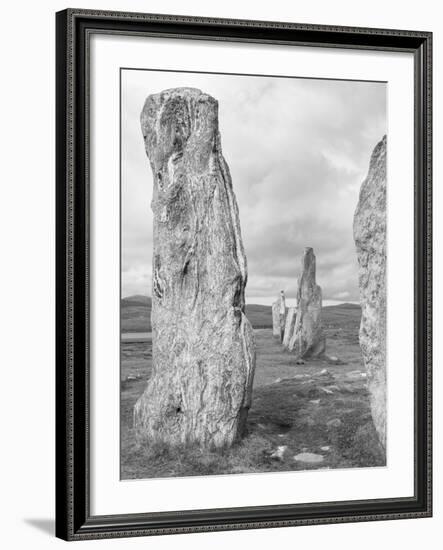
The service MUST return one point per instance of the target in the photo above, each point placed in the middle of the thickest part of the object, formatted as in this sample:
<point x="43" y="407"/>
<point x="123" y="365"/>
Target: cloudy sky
<point x="298" y="150"/>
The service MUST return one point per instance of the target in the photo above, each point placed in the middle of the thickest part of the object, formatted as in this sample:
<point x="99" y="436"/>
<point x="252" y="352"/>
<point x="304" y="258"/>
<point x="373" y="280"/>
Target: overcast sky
<point x="297" y="150"/>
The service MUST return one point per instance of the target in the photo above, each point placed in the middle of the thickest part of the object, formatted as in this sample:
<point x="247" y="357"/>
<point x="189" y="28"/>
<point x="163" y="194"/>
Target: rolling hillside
<point x="136" y="314"/>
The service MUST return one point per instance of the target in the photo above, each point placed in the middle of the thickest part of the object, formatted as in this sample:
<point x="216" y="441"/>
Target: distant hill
<point x="346" y="305"/>
<point x="259" y="316"/>
<point x="345" y="316"/>
<point x="136" y="313"/>
<point x="137" y="299"/>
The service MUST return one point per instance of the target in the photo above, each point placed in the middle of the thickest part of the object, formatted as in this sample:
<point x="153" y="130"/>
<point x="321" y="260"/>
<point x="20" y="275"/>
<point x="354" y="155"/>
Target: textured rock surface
<point x="370" y="240"/>
<point x="282" y="314"/>
<point x="279" y="316"/>
<point x="289" y="325"/>
<point x="276" y="318"/>
<point x="203" y="349"/>
<point x="307" y="339"/>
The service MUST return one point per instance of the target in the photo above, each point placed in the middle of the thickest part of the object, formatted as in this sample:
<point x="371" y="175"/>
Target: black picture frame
<point x="73" y="30"/>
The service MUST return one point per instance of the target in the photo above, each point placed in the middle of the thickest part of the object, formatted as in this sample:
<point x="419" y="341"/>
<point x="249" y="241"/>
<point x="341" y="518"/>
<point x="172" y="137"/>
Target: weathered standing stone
<point x="307" y="339"/>
<point x="370" y="240"/>
<point x="276" y="318"/>
<point x="279" y="316"/>
<point x="203" y="349"/>
<point x="282" y="314"/>
<point x="289" y="325"/>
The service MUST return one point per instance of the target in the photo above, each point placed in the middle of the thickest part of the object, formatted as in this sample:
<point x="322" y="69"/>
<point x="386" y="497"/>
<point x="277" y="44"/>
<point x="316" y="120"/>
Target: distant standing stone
<point x="279" y="316"/>
<point x="289" y="325"/>
<point x="307" y="339"/>
<point x="370" y="241"/>
<point x="276" y="319"/>
<point x="203" y="349"/>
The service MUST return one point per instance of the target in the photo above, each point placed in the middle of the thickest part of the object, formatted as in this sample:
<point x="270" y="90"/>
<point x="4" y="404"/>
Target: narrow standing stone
<point x="370" y="240"/>
<point x="307" y="339"/>
<point x="289" y="326"/>
<point x="203" y="349"/>
<point x="279" y="316"/>
<point x="276" y="318"/>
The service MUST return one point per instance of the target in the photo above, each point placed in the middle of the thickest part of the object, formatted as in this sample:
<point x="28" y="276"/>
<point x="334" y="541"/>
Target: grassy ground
<point x="319" y="407"/>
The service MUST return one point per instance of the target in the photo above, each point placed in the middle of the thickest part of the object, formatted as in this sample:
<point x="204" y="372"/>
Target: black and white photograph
<point x="219" y="230"/>
<point x="253" y="274"/>
<point x="243" y="274"/>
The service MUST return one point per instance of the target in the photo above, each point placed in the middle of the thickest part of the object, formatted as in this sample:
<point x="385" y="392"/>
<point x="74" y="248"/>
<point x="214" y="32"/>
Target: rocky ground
<point x="308" y="415"/>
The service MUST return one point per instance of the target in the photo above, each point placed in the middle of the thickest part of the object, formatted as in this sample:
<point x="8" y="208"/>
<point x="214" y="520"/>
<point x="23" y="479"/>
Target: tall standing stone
<point x="279" y="316"/>
<point x="203" y="349"/>
<point x="370" y="240"/>
<point x="308" y="339"/>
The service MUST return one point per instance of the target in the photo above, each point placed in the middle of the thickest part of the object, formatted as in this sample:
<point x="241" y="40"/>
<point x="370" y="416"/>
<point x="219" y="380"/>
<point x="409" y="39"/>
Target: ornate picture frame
<point x="74" y="517"/>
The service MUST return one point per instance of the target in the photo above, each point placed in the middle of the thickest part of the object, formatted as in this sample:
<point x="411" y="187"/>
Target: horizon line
<point x="267" y="300"/>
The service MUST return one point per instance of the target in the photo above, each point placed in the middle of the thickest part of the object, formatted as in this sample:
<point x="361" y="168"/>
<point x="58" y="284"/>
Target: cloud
<point x="298" y="150"/>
